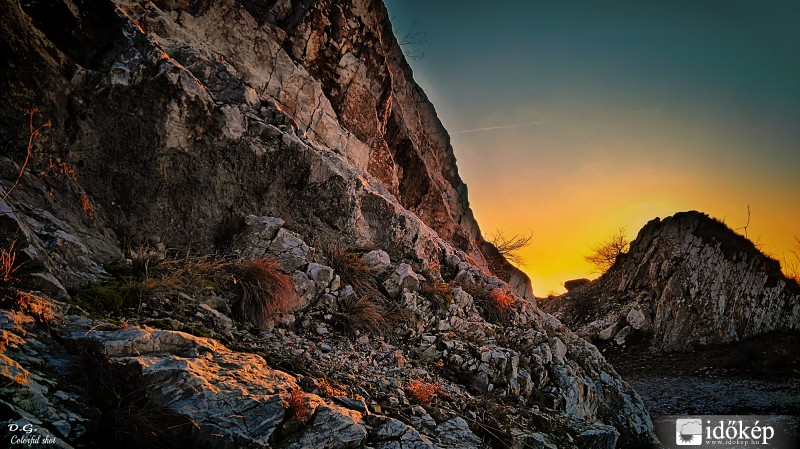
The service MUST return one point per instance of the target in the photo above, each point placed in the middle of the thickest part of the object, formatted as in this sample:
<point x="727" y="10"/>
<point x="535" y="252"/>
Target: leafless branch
<point x="746" y="224"/>
<point x="33" y="133"/>
<point x="411" y="39"/>
<point x="604" y="255"/>
<point x="509" y="246"/>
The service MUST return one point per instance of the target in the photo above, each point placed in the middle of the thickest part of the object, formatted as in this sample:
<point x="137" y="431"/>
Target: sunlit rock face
<point x="687" y="280"/>
<point x="303" y="110"/>
<point x="258" y="129"/>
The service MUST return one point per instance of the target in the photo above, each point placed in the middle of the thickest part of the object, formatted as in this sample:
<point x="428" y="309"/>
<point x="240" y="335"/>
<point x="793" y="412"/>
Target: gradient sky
<point x="573" y="119"/>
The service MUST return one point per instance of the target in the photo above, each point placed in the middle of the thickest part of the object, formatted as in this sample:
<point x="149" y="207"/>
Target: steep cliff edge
<point x="687" y="280"/>
<point x="194" y="138"/>
<point x="212" y="82"/>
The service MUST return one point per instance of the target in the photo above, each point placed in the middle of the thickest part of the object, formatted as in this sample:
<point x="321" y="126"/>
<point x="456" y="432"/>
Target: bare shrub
<point x="604" y="255"/>
<point x="509" y="246"/>
<point x="791" y="262"/>
<point x="33" y="133"/>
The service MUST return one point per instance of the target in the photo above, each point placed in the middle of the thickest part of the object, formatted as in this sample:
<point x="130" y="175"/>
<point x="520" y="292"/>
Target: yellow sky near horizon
<point x="570" y="212"/>
<point x="572" y="120"/>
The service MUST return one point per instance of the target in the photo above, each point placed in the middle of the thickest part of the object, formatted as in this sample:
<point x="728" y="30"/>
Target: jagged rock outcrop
<point x="687" y="280"/>
<point x="269" y="130"/>
<point x="532" y="361"/>
<point x="303" y="110"/>
<point x="208" y="395"/>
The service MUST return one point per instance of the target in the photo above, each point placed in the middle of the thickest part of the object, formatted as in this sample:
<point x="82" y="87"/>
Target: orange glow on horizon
<point x="585" y="207"/>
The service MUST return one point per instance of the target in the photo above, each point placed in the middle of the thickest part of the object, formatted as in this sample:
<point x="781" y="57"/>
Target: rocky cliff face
<point x="238" y="132"/>
<point x="304" y="110"/>
<point x="687" y="280"/>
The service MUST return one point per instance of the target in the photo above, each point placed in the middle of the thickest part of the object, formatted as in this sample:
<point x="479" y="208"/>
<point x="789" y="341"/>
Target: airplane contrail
<point x="493" y="128"/>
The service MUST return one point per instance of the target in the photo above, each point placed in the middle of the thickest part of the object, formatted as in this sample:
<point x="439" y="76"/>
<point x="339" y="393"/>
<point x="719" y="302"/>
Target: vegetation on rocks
<point x="257" y="290"/>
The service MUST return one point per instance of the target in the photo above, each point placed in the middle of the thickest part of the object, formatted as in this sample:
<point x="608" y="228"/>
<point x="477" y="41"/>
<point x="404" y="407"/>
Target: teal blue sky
<point x="621" y="110"/>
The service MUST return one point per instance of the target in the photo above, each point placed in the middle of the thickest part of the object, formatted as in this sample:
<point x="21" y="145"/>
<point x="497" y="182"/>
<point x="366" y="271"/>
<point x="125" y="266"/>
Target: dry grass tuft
<point x="129" y="419"/>
<point x="438" y="292"/>
<point x="297" y="408"/>
<point x="350" y="267"/>
<point x="502" y="301"/>
<point x="264" y="291"/>
<point x="359" y="313"/>
<point x="368" y="310"/>
<point x="495" y="304"/>
<point x="8" y="266"/>
<point x="39" y="308"/>
<point x="142" y="424"/>
<point x="423" y="392"/>
<point x="259" y="291"/>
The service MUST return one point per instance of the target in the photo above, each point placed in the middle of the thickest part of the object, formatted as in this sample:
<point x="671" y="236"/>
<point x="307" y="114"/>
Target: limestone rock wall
<point x="177" y="125"/>
<point x="689" y="280"/>
<point x="708" y="285"/>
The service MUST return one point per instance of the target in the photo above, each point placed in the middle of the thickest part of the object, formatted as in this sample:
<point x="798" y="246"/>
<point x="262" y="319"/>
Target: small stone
<point x="622" y="335"/>
<point x="637" y="319"/>
<point x="607" y="333"/>
<point x="377" y="260"/>
<point x="559" y="349"/>
<point x="352" y="404"/>
<point x="428" y="421"/>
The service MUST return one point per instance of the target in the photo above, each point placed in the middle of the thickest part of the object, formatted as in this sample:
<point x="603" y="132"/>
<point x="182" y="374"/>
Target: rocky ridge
<point x="172" y="133"/>
<point x="544" y="385"/>
<point x="687" y="280"/>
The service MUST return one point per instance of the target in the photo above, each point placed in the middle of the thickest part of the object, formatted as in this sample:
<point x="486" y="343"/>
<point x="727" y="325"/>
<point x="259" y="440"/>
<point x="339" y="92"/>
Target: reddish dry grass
<point x="495" y="304"/>
<point x="297" y="408"/>
<point x="265" y="291"/>
<point x="87" y="207"/>
<point x="423" y="392"/>
<point x="502" y="300"/>
<point x="8" y="265"/>
<point x="39" y="308"/>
